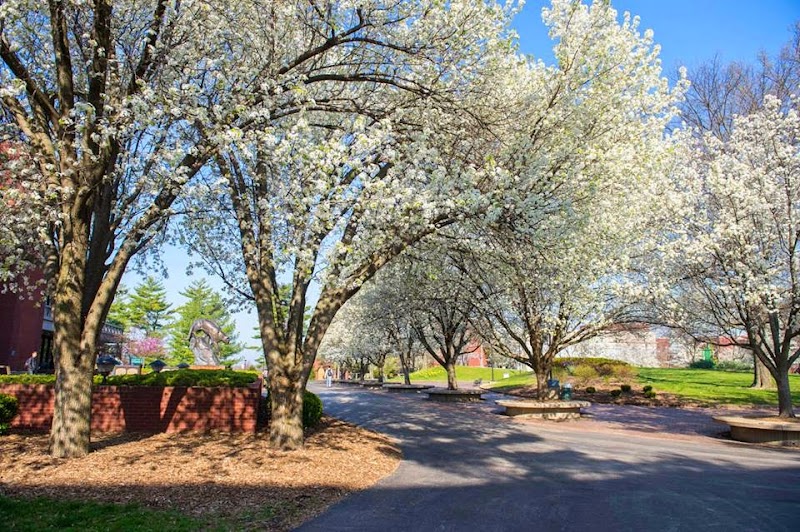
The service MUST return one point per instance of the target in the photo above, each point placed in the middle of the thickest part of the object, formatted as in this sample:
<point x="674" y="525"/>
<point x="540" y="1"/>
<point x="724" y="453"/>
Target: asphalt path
<point x="466" y="467"/>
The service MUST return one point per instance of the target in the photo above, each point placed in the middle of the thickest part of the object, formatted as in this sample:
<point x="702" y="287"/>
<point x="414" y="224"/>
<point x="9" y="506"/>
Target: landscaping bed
<point x="219" y="481"/>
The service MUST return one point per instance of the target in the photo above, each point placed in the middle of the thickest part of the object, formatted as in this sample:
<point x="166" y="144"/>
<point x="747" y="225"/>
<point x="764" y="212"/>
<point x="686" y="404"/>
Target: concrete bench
<point x="774" y="431"/>
<point x="371" y="384"/>
<point x="406" y="388"/>
<point x="553" y="410"/>
<point x="444" y="395"/>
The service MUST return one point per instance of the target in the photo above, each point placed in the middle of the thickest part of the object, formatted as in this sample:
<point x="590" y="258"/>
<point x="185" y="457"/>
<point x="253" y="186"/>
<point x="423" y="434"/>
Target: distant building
<point x="475" y="356"/>
<point x="26" y="325"/>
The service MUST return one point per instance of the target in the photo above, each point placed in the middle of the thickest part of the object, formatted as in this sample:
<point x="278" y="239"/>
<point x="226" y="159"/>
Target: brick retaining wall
<point x="147" y="408"/>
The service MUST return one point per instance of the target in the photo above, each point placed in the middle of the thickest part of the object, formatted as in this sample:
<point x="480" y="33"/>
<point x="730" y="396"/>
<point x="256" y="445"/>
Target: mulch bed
<point x="209" y="476"/>
<point x="603" y="395"/>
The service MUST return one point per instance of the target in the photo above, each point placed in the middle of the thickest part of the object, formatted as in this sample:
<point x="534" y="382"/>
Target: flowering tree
<point x="380" y="150"/>
<point x="20" y="222"/>
<point x="376" y="157"/>
<point x="720" y="92"/>
<point x="149" y="347"/>
<point x="731" y="256"/>
<point x="539" y="298"/>
<point x="119" y="105"/>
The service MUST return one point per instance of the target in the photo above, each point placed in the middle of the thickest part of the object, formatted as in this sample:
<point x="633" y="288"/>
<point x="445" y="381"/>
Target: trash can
<point x="566" y="392"/>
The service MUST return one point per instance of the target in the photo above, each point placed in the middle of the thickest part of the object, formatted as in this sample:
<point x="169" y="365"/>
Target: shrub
<point x="312" y="409"/>
<point x="188" y="377"/>
<point x="584" y="372"/>
<point x="616" y="393"/>
<point x="625" y="388"/>
<point x="624" y="373"/>
<point x="26" y="378"/>
<point x="602" y="367"/>
<point x="183" y="377"/>
<point x="702" y="364"/>
<point x="9" y="408"/>
<point x="650" y="394"/>
<point x="732" y="365"/>
<point x="590" y="389"/>
<point x="647" y="388"/>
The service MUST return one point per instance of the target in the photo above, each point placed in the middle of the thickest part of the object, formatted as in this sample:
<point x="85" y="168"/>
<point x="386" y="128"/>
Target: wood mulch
<point x="603" y="395"/>
<point x="231" y="477"/>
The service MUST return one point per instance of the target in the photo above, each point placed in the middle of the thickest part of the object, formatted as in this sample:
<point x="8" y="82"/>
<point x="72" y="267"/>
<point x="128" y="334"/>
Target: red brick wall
<point x="147" y="408"/>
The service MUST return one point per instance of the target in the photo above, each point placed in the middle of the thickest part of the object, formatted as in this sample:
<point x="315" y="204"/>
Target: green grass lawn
<point x="728" y="387"/>
<point x="45" y="514"/>
<point x="463" y="373"/>
<point x="35" y="515"/>
<point x="698" y="385"/>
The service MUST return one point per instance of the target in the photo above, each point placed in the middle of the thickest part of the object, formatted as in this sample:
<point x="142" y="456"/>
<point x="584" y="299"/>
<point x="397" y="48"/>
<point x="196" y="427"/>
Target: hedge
<point x="210" y="378"/>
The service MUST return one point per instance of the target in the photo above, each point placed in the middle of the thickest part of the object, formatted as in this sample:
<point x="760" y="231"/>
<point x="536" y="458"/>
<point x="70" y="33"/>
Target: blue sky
<point x="689" y="32"/>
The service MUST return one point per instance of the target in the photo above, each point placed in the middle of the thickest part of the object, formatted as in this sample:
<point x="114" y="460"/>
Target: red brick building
<point x="26" y="325"/>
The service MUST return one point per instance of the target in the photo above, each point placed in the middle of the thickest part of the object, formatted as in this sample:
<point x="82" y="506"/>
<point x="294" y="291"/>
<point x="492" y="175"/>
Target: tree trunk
<point x="452" y="383"/>
<point x="70" y="433"/>
<point x="286" y="408"/>
<point x="541" y="386"/>
<point x="785" y="408"/>
<point x="762" y="379"/>
<point x="406" y="372"/>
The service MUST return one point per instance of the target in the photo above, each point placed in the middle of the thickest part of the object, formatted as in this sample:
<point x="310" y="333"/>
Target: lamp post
<point x="105" y="365"/>
<point x="157" y="365"/>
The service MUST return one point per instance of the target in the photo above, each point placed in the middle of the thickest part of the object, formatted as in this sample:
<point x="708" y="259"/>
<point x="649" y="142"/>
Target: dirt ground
<point x="217" y="476"/>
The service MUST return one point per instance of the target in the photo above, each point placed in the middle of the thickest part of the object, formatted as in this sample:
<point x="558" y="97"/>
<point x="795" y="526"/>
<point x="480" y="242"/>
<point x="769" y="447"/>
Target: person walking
<point x="32" y="364"/>
<point x="329" y="377"/>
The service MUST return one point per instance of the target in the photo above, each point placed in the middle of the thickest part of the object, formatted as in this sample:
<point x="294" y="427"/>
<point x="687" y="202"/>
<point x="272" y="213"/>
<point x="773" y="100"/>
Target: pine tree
<point x="148" y="308"/>
<point x="120" y="312"/>
<point x="202" y="302"/>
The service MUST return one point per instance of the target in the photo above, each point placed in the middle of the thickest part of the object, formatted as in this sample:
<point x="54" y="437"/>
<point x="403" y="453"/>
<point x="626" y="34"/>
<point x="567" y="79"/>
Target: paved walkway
<point x="467" y="468"/>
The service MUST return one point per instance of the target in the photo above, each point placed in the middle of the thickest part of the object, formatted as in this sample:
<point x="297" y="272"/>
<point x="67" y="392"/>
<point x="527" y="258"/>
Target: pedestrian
<point x="32" y="364"/>
<point x="329" y="377"/>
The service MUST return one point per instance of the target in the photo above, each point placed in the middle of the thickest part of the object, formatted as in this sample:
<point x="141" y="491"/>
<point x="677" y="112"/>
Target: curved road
<point x="467" y="468"/>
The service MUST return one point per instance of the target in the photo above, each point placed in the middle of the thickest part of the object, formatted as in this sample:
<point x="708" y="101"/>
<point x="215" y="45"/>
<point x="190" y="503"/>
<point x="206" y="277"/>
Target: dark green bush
<point x="625" y="388"/>
<point x="616" y="393"/>
<point x="26" y="378"/>
<point x="312" y="410"/>
<point x="212" y="378"/>
<point x="732" y="365"/>
<point x="647" y="388"/>
<point x="650" y="394"/>
<point x="702" y="364"/>
<point x="9" y="408"/>
<point x="591" y="389"/>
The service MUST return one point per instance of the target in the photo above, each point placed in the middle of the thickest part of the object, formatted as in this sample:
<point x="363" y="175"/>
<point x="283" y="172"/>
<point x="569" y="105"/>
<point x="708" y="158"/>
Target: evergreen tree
<point x="148" y="308"/>
<point x="202" y="302"/>
<point x="120" y="312"/>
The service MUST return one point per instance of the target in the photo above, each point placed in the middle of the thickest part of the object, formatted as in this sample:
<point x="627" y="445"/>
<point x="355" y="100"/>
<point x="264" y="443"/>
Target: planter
<point x="773" y="431"/>
<point x="552" y="410"/>
<point x="444" y="395"/>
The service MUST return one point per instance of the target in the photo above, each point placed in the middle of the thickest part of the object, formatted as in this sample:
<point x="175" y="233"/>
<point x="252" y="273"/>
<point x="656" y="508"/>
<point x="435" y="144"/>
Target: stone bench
<point x="371" y="384"/>
<point x="774" y="431"/>
<point x="443" y="395"/>
<point x="347" y="382"/>
<point x="553" y="410"/>
<point x="406" y="388"/>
